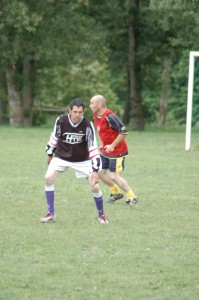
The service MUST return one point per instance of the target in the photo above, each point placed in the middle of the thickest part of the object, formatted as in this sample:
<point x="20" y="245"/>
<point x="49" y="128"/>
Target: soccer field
<point x="149" y="251"/>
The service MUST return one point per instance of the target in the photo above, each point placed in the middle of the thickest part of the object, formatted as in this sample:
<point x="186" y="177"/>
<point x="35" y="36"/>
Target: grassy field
<point x="150" y="251"/>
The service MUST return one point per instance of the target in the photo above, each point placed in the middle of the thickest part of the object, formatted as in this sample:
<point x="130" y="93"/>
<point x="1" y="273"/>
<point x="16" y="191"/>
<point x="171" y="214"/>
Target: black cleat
<point x="115" y="197"/>
<point x="132" y="201"/>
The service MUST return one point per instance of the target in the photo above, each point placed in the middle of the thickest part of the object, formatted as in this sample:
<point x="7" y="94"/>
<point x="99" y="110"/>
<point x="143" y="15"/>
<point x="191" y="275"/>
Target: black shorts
<point x="113" y="164"/>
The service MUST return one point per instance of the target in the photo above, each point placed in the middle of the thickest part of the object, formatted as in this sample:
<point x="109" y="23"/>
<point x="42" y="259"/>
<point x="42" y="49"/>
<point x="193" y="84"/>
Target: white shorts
<point x="82" y="169"/>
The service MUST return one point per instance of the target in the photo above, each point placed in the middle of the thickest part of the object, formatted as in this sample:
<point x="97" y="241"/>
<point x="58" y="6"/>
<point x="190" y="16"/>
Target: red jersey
<point x="109" y="126"/>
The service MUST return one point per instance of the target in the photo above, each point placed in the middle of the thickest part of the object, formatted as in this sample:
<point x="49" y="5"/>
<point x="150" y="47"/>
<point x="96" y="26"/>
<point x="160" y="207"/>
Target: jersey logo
<point x="73" y="138"/>
<point x="98" y="128"/>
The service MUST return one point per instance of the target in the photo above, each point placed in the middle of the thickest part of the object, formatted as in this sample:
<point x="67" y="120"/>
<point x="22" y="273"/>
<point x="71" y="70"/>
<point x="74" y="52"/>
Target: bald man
<point x="113" y="151"/>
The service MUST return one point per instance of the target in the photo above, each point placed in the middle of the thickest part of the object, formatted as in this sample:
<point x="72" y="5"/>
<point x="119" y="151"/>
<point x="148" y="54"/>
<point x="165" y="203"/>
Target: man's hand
<point x="94" y="178"/>
<point x="109" y="148"/>
<point x="117" y="141"/>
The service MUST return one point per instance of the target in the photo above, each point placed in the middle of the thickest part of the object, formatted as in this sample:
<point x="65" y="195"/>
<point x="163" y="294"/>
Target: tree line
<point x="134" y="52"/>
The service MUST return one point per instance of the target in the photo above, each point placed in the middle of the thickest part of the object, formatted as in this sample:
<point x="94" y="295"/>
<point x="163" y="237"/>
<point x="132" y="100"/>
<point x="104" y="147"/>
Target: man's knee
<point x="95" y="188"/>
<point x="48" y="180"/>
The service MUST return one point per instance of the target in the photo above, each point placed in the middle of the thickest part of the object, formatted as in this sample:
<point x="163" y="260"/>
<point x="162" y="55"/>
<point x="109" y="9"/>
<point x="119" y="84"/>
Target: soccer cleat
<point x="103" y="219"/>
<point x="48" y="218"/>
<point x="132" y="201"/>
<point x="114" y="197"/>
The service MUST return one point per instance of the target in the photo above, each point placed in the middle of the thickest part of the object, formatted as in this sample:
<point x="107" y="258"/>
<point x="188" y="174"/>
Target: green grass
<point x="149" y="251"/>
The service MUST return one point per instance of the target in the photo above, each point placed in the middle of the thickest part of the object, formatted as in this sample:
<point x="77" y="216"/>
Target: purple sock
<point x="50" y="201"/>
<point x="99" y="205"/>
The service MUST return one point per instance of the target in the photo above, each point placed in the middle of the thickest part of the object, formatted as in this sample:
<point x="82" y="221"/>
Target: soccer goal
<point x="192" y="56"/>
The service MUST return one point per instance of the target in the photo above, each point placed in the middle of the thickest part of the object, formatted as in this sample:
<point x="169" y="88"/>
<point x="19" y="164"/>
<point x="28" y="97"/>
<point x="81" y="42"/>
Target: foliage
<point x="80" y="48"/>
<point x="170" y="17"/>
<point x="179" y="88"/>
<point x="112" y="17"/>
<point x="195" y="115"/>
<point x="145" y="252"/>
<point x="18" y="24"/>
<point x="46" y="31"/>
<point x="78" y="81"/>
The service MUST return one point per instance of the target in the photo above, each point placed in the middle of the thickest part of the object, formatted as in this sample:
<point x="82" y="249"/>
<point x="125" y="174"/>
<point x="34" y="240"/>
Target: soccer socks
<point x="130" y="194"/>
<point x="99" y="203"/>
<point x="50" y="198"/>
<point x="114" y="189"/>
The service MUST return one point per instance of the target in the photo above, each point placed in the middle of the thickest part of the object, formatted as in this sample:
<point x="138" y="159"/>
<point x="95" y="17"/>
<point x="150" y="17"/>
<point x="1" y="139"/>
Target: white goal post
<point x="192" y="56"/>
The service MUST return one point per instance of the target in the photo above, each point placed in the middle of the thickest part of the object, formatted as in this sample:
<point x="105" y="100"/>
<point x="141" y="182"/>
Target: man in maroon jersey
<point x="72" y="145"/>
<point x="112" y="133"/>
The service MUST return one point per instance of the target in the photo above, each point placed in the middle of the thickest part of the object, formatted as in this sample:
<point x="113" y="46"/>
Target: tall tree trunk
<point x="14" y="98"/>
<point x="3" y="98"/>
<point x="28" y="90"/>
<point x="137" y="115"/>
<point x="127" y="111"/>
<point x="166" y="74"/>
<point x="126" y="115"/>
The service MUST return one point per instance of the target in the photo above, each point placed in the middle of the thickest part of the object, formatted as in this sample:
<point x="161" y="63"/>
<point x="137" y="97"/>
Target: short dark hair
<point x="77" y="102"/>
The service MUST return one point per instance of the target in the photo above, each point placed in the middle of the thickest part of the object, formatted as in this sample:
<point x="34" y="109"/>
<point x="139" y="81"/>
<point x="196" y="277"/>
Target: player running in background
<point x="73" y="145"/>
<point x="112" y="133"/>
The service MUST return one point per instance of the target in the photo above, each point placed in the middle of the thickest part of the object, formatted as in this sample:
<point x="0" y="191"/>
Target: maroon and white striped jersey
<point x="74" y="142"/>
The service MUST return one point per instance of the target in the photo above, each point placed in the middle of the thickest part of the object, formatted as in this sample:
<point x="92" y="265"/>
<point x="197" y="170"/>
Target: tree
<point x="178" y="22"/>
<point x="137" y="115"/>
<point x="119" y="20"/>
<point x="166" y="75"/>
<point x="18" y="24"/>
<point x="3" y="97"/>
<point x="41" y="35"/>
